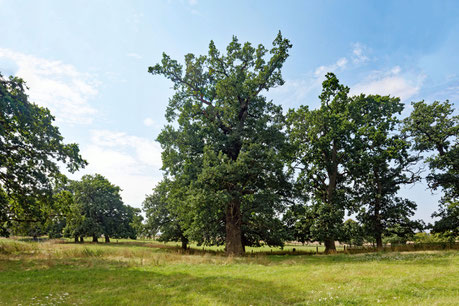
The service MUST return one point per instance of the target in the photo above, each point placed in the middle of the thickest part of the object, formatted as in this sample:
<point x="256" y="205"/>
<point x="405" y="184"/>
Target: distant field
<point x="264" y="249"/>
<point x="148" y="273"/>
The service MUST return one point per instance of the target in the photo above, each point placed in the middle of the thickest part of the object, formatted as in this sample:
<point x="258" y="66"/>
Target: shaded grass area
<point x="144" y="274"/>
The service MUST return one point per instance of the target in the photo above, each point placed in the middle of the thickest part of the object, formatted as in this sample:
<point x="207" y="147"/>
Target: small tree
<point x="133" y="222"/>
<point x="448" y="224"/>
<point x="402" y="232"/>
<point x="98" y="209"/>
<point x="299" y="221"/>
<point x="161" y="215"/>
<point x="353" y="233"/>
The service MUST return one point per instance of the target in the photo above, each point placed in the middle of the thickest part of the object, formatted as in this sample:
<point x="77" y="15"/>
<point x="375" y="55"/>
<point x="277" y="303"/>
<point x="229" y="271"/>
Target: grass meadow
<point x="147" y="273"/>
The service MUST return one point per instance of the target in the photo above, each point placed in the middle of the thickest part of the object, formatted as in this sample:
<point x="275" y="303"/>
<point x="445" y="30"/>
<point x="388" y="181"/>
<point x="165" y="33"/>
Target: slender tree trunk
<point x="107" y="238"/>
<point x="329" y="242"/>
<point x="81" y="239"/>
<point x="330" y="247"/>
<point x="378" y="225"/>
<point x="94" y="238"/>
<point x="184" y="242"/>
<point x="233" y="229"/>
<point x="76" y="239"/>
<point x="378" y="238"/>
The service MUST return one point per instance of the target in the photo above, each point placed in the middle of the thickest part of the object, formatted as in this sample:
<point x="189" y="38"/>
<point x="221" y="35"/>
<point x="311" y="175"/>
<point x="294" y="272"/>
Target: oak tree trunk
<point x="330" y="246"/>
<point x="76" y="239"/>
<point x="233" y="229"/>
<point x="107" y="239"/>
<point x="184" y="242"/>
<point x="377" y="221"/>
<point x="378" y="226"/>
<point x="81" y="239"/>
<point x="95" y="238"/>
<point x="379" y="241"/>
<point x="233" y="208"/>
<point x="333" y="178"/>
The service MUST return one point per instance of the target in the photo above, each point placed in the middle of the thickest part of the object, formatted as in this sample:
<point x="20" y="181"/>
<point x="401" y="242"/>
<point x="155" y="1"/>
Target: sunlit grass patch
<point x="140" y="273"/>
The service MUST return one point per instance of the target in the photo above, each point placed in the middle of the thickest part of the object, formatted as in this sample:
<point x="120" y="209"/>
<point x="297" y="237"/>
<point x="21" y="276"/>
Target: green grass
<point x="143" y="273"/>
<point x="311" y="248"/>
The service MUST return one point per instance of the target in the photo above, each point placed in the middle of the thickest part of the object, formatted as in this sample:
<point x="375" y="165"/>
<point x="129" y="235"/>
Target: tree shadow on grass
<point x="106" y="282"/>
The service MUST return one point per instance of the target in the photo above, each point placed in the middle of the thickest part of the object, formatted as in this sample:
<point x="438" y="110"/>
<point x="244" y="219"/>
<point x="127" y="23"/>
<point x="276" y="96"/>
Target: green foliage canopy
<point x="98" y="210"/>
<point x="383" y="164"/>
<point x="324" y="145"/>
<point x="226" y="146"/>
<point x="30" y="149"/>
<point x="435" y="130"/>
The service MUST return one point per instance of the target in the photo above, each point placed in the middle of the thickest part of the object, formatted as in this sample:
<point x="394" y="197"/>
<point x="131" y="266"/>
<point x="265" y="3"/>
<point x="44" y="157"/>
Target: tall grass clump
<point x="8" y="247"/>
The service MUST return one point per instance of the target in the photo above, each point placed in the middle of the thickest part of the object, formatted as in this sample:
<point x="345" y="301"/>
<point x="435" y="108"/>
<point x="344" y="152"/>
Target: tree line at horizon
<point x="238" y="171"/>
<point x="35" y="197"/>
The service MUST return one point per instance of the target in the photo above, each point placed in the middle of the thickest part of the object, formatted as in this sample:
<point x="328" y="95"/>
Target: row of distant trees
<point x="238" y="171"/>
<point x="91" y="207"/>
<point x="35" y="198"/>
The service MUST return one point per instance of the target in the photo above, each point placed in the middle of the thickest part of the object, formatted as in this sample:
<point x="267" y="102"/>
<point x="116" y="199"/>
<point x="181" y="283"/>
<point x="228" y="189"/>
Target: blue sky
<point x="87" y="61"/>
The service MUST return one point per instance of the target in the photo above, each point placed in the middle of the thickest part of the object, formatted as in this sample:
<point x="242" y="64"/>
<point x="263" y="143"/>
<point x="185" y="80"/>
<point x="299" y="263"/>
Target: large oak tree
<point x="227" y="139"/>
<point x="383" y="164"/>
<point x="323" y="149"/>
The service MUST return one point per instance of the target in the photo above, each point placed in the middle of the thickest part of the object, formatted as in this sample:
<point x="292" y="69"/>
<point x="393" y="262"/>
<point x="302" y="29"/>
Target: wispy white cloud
<point x="134" y="55"/>
<point x="146" y="151"/>
<point x="295" y="91"/>
<point x="451" y="92"/>
<point x="339" y="65"/>
<point x="391" y="82"/>
<point x="148" y="122"/>
<point x="57" y="86"/>
<point x="385" y="82"/>
<point x="190" y="5"/>
<point x="131" y="162"/>
<point x="134" y="20"/>
<point x="358" y="53"/>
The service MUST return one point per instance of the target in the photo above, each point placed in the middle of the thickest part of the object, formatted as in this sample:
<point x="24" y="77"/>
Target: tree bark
<point x="233" y="229"/>
<point x="378" y="225"/>
<point x="379" y="245"/>
<point x="81" y="239"/>
<point x="94" y="238"/>
<point x="184" y="242"/>
<point x="332" y="177"/>
<point x="107" y="238"/>
<point x="233" y="208"/>
<point x="76" y="239"/>
<point x="330" y="246"/>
